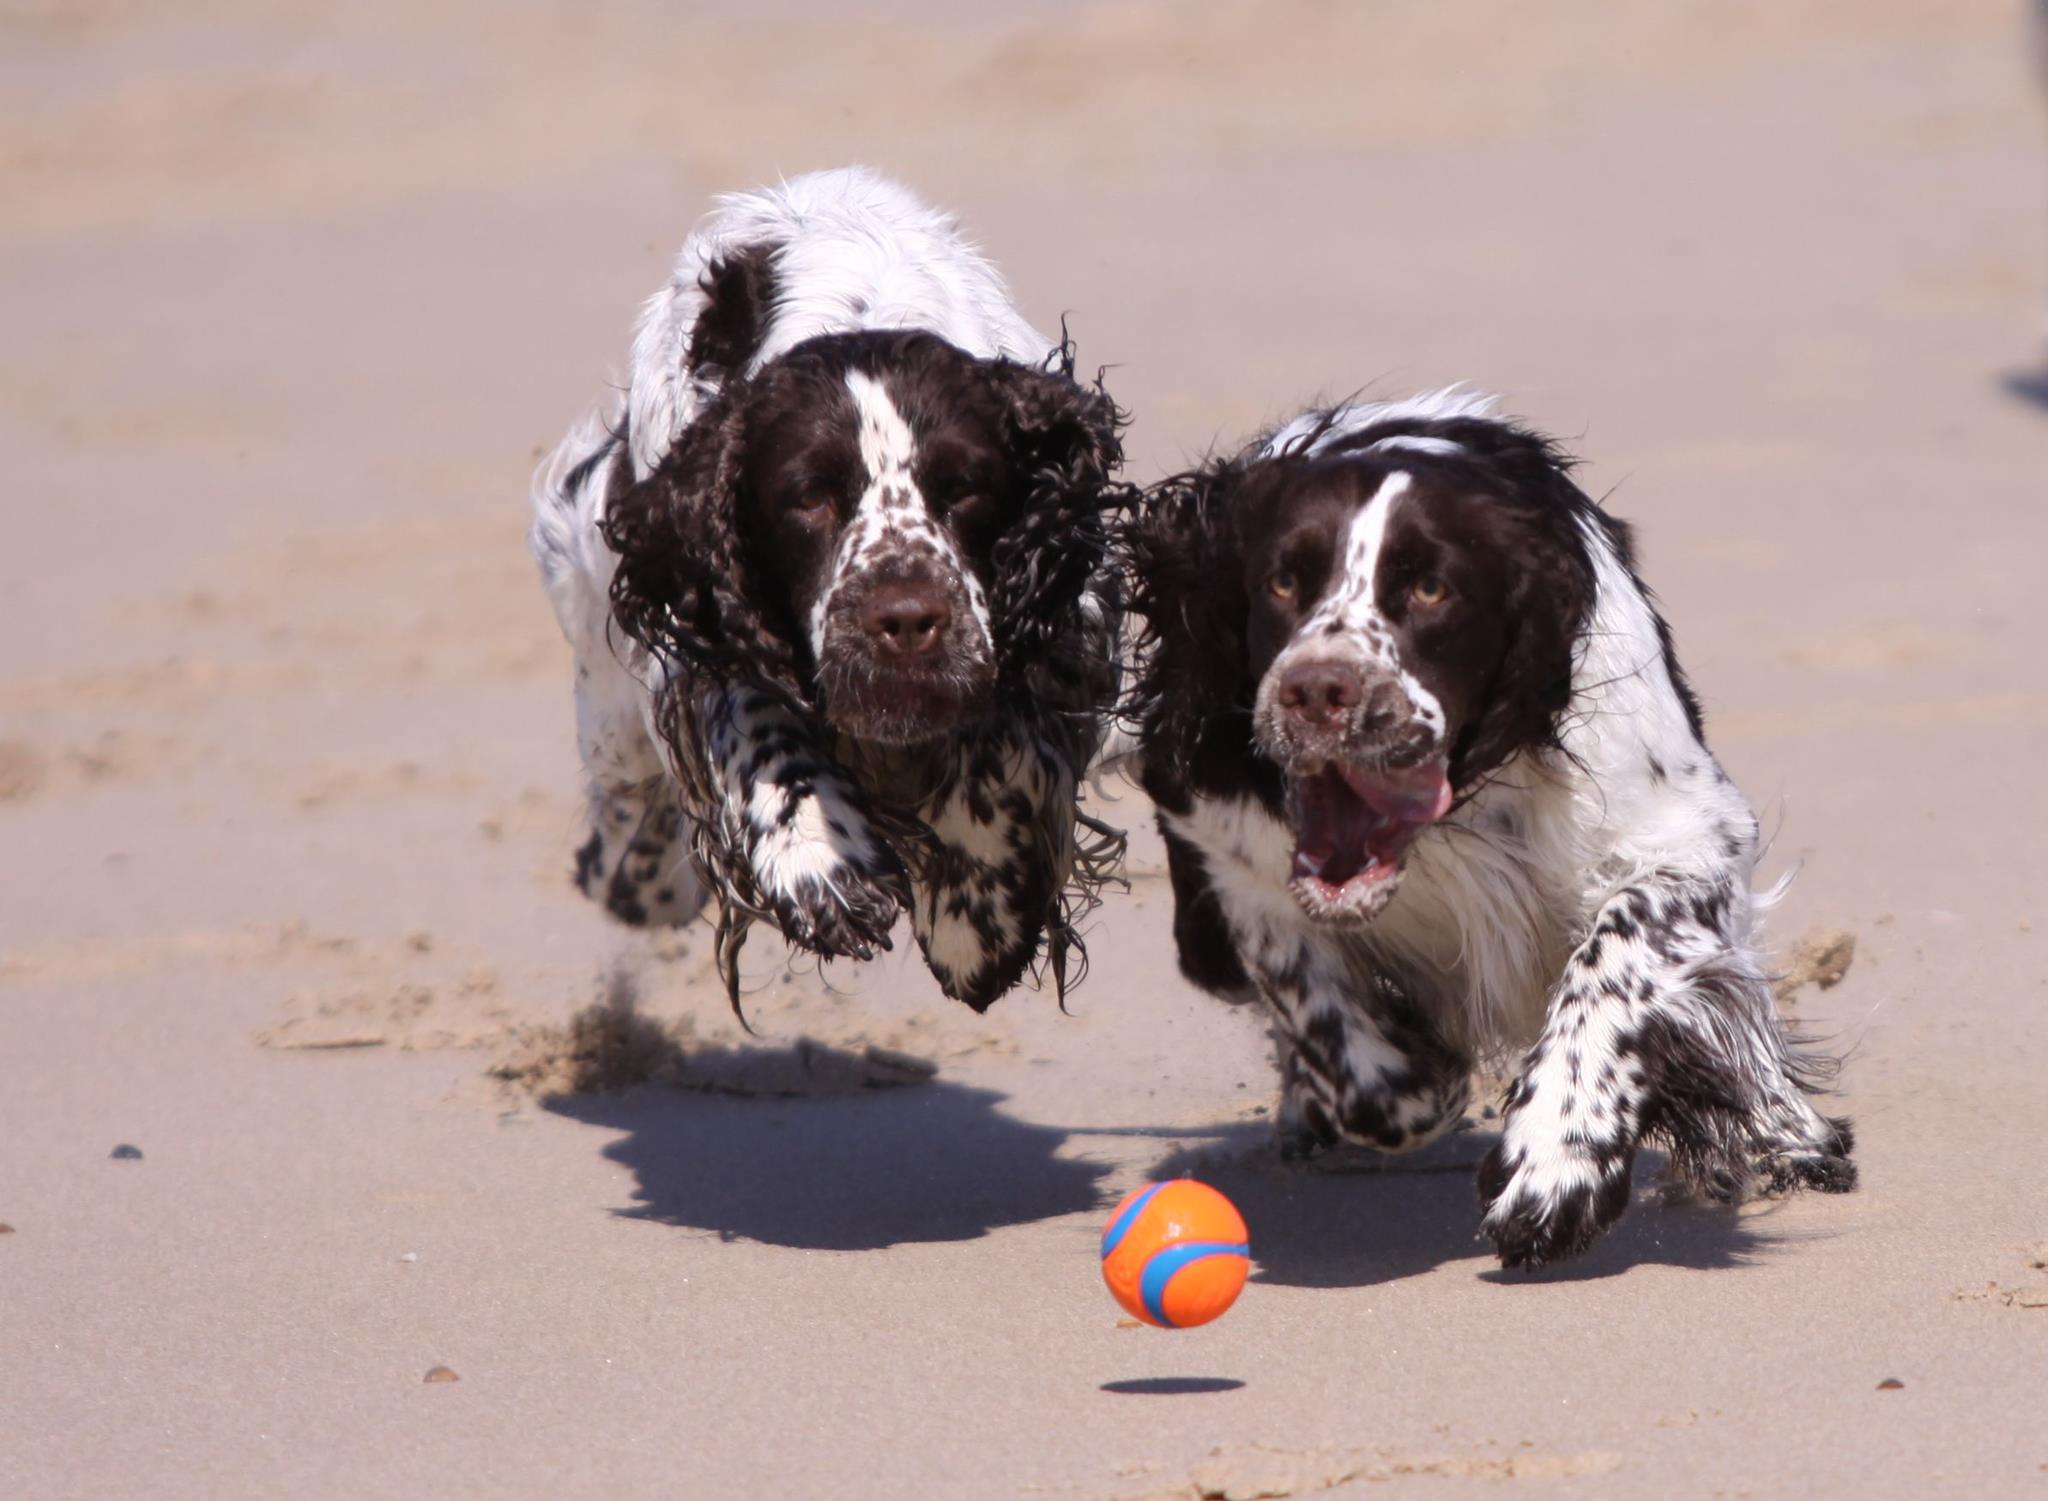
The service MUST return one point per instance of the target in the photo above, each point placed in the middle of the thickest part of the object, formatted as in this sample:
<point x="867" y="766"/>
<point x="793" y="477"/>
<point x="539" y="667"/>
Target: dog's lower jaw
<point x="1354" y="825"/>
<point x="1354" y="905"/>
<point x="894" y="732"/>
<point x="900" y="716"/>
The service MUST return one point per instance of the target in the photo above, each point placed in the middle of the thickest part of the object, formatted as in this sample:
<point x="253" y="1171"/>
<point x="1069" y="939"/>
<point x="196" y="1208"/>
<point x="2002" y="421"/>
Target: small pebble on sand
<point x="6" y="1229"/>
<point x="1891" y="1384"/>
<point x="439" y="1374"/>
<point x="126" y="1153"/>
<point x="410" y="1256"/>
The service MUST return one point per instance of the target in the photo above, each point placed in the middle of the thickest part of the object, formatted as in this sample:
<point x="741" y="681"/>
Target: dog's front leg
<point x="1001" y="848"/>
<point x="1357" y="1060"/>
<point x="635" y="863"/>
<point x="796" y="824"/>
<point x="1662" y="1024"/>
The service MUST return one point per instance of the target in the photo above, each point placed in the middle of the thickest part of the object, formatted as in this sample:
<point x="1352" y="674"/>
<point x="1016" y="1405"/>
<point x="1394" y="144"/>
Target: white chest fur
<point x="1486" y="913"/>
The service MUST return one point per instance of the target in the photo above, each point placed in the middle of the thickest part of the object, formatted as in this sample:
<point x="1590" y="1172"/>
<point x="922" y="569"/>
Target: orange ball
<point x="1176" y="1254"/>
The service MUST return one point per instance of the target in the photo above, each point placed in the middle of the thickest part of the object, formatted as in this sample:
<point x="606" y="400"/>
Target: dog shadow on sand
<point x="826" y="1148"/>
<point x="804" y="1144"/>
<point x="1353" y="1218"/>
<point x="875" y="1167"/>
<point x="844" y="1172"/>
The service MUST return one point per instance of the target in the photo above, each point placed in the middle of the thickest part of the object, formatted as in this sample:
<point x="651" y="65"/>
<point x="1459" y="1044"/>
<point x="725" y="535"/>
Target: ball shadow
<point x="1355" y="1218"/>
<point x="857" y="1172"/>
<point x="1172" y="1386"/>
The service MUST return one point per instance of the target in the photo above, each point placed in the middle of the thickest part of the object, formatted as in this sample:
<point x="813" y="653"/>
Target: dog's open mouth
<point x="1352" y="826"/>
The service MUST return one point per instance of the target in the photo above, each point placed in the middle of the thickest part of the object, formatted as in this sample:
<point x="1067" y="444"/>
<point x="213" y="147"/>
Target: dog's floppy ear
<point x="739" y="303"/>
<point x="1193" y="697"/>
<point x="1053" y="646"/>
<point x="1538" y="527"/>
<point x="1058" y="424"/>
<point x="692" y="341"/>
<point x="683" y="587"/>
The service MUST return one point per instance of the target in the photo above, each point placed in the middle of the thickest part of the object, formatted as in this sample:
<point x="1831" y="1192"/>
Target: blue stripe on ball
<point x="1160" y="1269"/>
<point x="1120" y="1226"/>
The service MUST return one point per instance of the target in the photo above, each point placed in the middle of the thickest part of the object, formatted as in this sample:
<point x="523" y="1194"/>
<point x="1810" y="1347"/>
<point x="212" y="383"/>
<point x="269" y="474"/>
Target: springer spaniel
<point x="837" y="571"/>
<point x="1432" y="783"/>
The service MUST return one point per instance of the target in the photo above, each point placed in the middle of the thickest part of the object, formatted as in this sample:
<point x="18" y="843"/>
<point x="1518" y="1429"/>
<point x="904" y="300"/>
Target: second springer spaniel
<point x="837" y="572"/>
<point x="1432" y="783"/>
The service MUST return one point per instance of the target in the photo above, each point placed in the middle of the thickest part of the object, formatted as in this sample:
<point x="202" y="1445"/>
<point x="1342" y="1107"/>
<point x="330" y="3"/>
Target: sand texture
<point x="449" y="1188"/>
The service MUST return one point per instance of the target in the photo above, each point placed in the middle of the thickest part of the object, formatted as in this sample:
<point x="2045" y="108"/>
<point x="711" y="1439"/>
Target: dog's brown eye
<point x="1282" y="585"/>
<point x="814" y="504"/>
<point x="1430" y="590"/>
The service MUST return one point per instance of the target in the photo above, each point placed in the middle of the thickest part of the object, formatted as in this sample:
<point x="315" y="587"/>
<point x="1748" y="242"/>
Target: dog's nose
<point x="1321" y="693"/>
<point x="907" y="619"/>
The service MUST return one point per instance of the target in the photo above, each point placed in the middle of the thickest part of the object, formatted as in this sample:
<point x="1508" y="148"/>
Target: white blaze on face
<point x="1349" y="622"/>
<point x="1351" y="604"/>
<point x="886" y="444"/>
<point x="891" y="511"/>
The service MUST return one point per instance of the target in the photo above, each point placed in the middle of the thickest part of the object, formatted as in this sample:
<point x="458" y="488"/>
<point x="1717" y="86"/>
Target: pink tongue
<point x="1419" y="795"/>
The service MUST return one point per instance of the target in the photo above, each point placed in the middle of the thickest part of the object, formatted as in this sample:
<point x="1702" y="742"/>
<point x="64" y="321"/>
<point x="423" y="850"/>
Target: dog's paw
<point x="827" y="879"/>
<point x="1782" y="1172"/>
<point x="1541" y="1209"/>
<point x="972" y="925"/>
<point x="635" y="867"/>
<point x="1303" y="1126"/>
<point x="844" y="915"/>
<point x="1822" y="1164"/>
<point x="1406" y="1119"/>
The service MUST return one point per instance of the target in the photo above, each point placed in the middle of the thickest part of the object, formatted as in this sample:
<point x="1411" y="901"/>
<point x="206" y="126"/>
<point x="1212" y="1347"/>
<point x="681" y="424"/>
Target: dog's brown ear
<point x="739" y="303"/>
<point x="1056" y="423"/>
<point x="1193" y="694"/>
<point x="1547" y="598"/>
<point x="1538" y="519"/>
<point x="682" y="588"/>
<point x="1052" y="593"/>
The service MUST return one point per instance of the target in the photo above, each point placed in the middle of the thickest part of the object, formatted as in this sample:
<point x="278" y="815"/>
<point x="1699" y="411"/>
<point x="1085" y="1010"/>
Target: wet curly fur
<point x="854" y="407"/>
<point x="690" y="589"/>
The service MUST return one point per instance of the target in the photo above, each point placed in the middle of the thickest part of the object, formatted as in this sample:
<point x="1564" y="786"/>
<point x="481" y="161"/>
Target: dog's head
<point x="881" y="475"/>
<point x="1381" y="611"/>
<point x="865" y="523"/>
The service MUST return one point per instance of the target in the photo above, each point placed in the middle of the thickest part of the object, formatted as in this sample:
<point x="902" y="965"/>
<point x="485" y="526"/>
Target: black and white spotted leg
<point x="636" y="863"/>
<point x="1663" y="1027"/>
<point x="812" y="859"/>
<point x="1001" y="846"/>
<point x="1356" y="1062"/>
<point x="1303" y="1126"/>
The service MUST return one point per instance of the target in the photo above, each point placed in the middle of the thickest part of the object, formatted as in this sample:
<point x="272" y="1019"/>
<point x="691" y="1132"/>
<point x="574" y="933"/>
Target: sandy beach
<point x="293" y="298"/>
